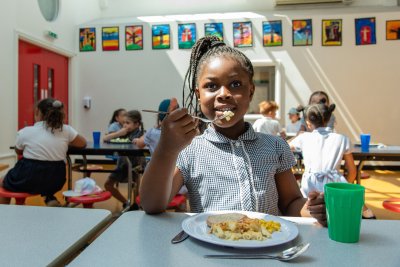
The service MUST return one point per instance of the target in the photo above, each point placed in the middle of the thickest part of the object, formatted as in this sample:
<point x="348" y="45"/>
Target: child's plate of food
<point x="240" y="229"/>
<point x="120" y="141"/>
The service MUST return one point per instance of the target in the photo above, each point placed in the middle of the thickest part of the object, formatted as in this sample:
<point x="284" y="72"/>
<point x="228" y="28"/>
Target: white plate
<point x="196" y="227"/>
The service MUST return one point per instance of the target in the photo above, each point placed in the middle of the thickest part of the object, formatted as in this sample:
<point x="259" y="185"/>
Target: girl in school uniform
<point x="43" y="146"/>
<point x="117" y="120"/>
<point x="228" y="166"/>
<point x="323" y="151"/>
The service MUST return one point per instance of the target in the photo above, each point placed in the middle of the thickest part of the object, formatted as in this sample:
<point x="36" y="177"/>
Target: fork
<point x="285" y="255"/>
<point x="195" y="117"/>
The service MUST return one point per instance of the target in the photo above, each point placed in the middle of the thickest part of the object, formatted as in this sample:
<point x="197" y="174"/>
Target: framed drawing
<point x="87" y="39"/>
<point x="272" y="33"/>
<point x="393" y="30"/>
<point x="134" y="37"/>
<point x="110" y="38"/>
<point x="160" y="36"/>
<point x="302" y="33"/>
<point x="365" y="31"/>
<point x="186" y="35"/>
<point x="242" y="34"/>
<point x="331" y="32"/>
<point x="215" y="29"/>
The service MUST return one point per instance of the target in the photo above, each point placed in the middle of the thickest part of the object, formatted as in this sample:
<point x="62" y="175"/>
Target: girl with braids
<point x="323" y="151"/>
<point x="228" y="166"/>
<point x="43" y="146"/>
<point x="132" y="128"/>
<point x="117" y="120"/>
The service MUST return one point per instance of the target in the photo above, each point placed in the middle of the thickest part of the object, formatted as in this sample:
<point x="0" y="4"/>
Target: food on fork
<point x="228" y="115"/>
<point x="235" y="226"/>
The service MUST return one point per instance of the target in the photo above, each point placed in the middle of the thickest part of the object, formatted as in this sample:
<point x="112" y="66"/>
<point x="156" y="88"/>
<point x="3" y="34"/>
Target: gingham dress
<point x="225" y="174"/>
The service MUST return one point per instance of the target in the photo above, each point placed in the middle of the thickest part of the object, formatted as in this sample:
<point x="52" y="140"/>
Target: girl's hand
<point x="316" y="206"/>
<point x="122" y="132"/>
<point x="177" y="130"/>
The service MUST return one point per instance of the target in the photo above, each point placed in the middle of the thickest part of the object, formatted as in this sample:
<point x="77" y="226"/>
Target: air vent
<point x="303" y="2"/>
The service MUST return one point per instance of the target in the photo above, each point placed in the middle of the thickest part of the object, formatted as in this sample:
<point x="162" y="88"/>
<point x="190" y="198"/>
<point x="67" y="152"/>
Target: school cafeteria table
<point x="43" y="236"/>
<point x="386" y="153"/>
<point x="114" y="149"/>
<point x="138" y="239"/>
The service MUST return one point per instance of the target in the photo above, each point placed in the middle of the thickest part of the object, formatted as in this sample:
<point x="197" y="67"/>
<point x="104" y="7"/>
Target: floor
<point x="380" y="186"/>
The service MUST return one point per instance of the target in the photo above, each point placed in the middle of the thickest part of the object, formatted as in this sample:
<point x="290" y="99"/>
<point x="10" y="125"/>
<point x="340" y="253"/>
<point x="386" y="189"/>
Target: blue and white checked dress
<point x="225" y="174"/>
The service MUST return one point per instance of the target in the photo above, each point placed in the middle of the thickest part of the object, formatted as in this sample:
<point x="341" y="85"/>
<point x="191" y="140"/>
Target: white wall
<point x="361" y="80"/>
<point x="22" y="18"/>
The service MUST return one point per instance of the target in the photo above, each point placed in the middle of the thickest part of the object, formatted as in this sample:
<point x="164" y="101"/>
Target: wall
<point x="22" y="18"/>
<point x="361" y="80"/>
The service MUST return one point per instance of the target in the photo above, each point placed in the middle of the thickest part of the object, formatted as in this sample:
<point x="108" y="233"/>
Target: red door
<point x="41" y="74"/>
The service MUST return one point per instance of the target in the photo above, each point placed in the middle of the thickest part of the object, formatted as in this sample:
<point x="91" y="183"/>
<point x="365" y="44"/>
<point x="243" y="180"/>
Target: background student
<point x="268" y="123"/>
<point x="44" y="147"/>
<point x="294" y="121"/>
<point x="117" y="120"/>
<point x="224" y="167"/>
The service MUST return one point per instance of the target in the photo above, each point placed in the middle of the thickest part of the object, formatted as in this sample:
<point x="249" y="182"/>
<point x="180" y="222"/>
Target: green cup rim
<point x="344" y="186"/>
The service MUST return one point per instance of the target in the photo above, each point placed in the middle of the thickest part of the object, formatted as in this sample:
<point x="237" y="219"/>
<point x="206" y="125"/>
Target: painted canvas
<point x="365" y="31"/>
<point x="160" y="36"/>
<point x="186" y="35"/>
<point x="134" y="37"/>
<point x="302" y="32"/>
<point x="215" y="29"/>
<point x="272" y="33"/>
<point x="331" y="32"/>
<point x="242" y="34"/>
<point x="393" y="30"/>
<point x="110" y="38"/>
<point x="87" y="39"/>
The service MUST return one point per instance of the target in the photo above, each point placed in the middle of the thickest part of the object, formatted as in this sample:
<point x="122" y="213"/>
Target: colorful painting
<point x="272" y="33"/>
<point x="365" y="31"/>
<point x="331" y="32"/>
<point x="302" y="32"/>
<point x="87" y="39"/>
<point x="393" y="30"/>
<point x="134" y="37"/>
<point x="186" y="35"/>
<point x="160" y="36"/>
<point x="110" y="38"/>
<point x="215" y="29"/>
<point x="242" y="34"/>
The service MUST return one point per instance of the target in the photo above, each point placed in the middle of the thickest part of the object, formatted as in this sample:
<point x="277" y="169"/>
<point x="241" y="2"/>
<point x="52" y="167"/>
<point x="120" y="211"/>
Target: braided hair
<point x="52" y="112"/>
<point x="206" y="48"/>
<point x="318" y="114"/>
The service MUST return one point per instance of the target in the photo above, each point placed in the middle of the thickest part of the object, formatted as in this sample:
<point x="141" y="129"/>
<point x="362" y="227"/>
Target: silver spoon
<point x="202" y="119"/>
<point x="285" y="255"/>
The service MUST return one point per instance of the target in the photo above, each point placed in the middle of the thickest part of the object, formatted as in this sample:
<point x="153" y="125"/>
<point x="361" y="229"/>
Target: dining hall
<point x="168" y="133"/>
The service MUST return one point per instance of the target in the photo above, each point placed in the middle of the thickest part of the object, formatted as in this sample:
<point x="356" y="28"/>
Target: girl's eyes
<point x="236" y="84"/>
<point x="215" y="87"/>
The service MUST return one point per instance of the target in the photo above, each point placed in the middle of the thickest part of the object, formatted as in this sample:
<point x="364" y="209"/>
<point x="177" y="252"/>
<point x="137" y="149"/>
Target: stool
<point x="392" y="204"/>
<point x="177" y="202"/>
<point x="87" y="201"/>
<point x="19" y="196"/>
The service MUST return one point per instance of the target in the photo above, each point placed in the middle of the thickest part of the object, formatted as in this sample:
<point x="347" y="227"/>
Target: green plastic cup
<point x="344" y="203"/>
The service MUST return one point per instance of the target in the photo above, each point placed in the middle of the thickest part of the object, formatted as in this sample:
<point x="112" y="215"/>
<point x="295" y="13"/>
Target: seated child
<point x="132" y="128"/>
<point x="44" y="147"/>
<point x="117" y="120"/>
<point x="294" y="125"/>
<point x="268" y="124"/>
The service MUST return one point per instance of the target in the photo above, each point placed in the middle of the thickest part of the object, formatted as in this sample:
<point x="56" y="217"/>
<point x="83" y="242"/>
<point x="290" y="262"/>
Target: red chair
<point x="89" y="200"/>
<point x="19" y="196"/>
<point x="178" y="202"/>
<point x="392" y="204"/>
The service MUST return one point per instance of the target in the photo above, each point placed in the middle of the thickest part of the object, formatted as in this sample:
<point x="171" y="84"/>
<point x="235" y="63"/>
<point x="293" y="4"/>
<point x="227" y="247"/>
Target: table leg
<point x="69" y="175"/>
<point x="129" y="163"/>
<point x="359" y="169"/>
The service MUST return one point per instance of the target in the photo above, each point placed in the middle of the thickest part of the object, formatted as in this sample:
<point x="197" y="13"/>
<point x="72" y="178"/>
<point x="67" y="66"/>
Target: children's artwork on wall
<point x="215" y="29"/>
<point x="272" y="33"/>
<point x="160" y="36"/>
<point x="186" y="35"/>
<point x="302" y="32"/>
<point x="393" y="30"/>
<point x="110" y="38"/>
<point x="331" y="32"/>
<point x="242" y="34"/>
<point x="365" y="31"/>
<point x="134" y="37"/>
<point x="87" y="39"/>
